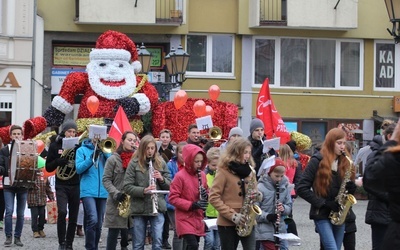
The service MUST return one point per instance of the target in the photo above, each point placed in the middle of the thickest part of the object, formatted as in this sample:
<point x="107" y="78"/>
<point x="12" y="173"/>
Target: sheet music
<point x="266" y="164"/>
<point x="271" y="143"/>
<point x="98" y="131"/>
<point x="292" y="239"/>
<point x="211" y="224"/>
<point x="68" y="143"/>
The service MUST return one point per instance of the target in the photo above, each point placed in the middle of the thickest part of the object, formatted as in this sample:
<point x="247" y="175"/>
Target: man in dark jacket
<point x="67" y="189"/>
<point x="10" y="193"/>
<point x="377" y="214"/>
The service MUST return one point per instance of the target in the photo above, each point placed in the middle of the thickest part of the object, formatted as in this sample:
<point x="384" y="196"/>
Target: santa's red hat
<point x="114" y="45"/>
<point x="34" y="126"/>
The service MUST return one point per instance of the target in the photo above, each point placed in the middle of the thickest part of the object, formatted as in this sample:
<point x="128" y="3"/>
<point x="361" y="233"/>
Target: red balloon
<point x="39" y="146"/>
<point x="213" y="92"/>
<point x="199" y="108"/>
<point x="180" y="99"/>
<point x="209" y="111"/>
<point x="92" y="104"/>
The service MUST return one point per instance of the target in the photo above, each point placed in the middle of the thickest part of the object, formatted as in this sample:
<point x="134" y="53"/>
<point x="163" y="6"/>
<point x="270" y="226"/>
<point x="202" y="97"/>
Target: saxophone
<point x="154" y="196"/>
<point x="124" y="207"/>
<point x="249" y="209"/>
<point x="344" y="199"/>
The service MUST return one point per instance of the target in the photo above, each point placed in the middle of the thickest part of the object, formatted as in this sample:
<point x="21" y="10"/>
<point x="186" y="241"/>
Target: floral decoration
<point x="165" y="115"/>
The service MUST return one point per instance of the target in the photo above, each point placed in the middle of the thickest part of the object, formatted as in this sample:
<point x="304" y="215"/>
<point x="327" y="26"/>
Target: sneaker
<point x="17" y="241"/>
<point x="36" y="235"/>
<point x="42" y="234"/>
<point x="1" y="225"/>
<point x="8" y="241"/>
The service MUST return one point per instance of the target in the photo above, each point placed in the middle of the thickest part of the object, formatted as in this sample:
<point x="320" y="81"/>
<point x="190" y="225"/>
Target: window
<point x="310" y="63"/>
<point x="6" y="109"/>
<point x="210" y="55"/>
<point x="385" y="66"/>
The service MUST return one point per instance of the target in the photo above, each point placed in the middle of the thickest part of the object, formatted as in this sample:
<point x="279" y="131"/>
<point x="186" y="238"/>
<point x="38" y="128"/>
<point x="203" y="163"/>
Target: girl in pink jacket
<point x="188" y="193"/>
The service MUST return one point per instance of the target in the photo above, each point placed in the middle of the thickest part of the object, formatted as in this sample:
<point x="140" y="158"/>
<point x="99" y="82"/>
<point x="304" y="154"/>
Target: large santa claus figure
<point x="111" y="77"/>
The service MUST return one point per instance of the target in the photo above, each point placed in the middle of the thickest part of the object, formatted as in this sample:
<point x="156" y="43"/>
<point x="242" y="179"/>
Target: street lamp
<point x="176" y="63"/>
<point x="393" y="8"/>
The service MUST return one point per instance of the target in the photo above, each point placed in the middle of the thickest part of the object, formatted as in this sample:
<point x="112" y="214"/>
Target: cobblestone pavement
<point x="309" y="239"/>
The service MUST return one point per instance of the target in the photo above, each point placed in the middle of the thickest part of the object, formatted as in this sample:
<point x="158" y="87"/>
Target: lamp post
<point x="393" y="8"/>
<point x="176" y="63"/>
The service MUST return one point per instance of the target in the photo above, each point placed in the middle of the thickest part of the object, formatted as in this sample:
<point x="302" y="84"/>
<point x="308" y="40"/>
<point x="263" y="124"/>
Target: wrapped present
<point x="52" y="212"/>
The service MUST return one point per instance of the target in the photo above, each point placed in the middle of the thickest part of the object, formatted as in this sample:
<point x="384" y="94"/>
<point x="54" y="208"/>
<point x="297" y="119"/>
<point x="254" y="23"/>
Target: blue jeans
<point x="211" y="240"/>
<point x="139" y="231"/>
<point x="9" y="196"/>
<point x="330" y="235"/>
<point x="94" y="209"/>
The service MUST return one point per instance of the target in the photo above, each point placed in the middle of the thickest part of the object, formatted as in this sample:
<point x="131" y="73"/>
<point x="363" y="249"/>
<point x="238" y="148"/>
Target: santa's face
<point x="111" y="79"/>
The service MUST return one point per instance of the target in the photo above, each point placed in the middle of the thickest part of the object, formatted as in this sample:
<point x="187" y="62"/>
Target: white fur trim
<point x="137" y="66"/>
<point x="62" y="105"/>
<point x="144" y="102"/>
<point x="110" y="54"/>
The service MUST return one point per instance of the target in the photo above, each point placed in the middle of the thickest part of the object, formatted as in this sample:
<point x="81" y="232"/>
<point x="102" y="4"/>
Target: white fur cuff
<point x="62" y="105"/>
<point x="144" y="103"/>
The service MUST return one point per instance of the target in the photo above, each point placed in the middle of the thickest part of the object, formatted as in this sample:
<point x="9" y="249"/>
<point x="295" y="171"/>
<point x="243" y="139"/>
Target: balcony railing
<point x="166" y="12"/>
<point x="273" y="12"/>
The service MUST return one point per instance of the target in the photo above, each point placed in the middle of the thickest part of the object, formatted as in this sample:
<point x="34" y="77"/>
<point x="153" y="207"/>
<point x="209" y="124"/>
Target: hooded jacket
<point x="91" y="174"/>
<point x="185" y="190"/>
<point x="265" y="229"/>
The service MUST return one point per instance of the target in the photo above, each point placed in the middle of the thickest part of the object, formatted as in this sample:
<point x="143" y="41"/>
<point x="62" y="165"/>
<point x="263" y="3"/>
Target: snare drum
<point x="23" y="164"/>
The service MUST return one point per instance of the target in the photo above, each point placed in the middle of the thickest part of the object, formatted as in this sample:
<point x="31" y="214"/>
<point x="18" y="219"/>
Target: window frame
<point x="208" y="73"/>
<point x="337" y="73"/>
<point x="396" y="68"/>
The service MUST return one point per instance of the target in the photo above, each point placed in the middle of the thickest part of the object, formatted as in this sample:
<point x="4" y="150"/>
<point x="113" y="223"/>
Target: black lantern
<point x="145" y="59"/>
<point x="177" y="62"/>
<point x="393" y="8"/>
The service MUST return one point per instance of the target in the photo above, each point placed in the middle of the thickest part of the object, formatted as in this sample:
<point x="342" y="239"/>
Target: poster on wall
<point x="316" y="131"/>
<point x="58" y="75"/>
<point x="385" y="65"/>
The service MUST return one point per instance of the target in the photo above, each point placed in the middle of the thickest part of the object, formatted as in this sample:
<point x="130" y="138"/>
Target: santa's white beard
<point x="111" y="74"/>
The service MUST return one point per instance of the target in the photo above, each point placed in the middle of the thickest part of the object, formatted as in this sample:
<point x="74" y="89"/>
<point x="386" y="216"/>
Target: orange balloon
<point x="213" y="92"/>
<point x="209" y="111"/>
<point x="180" y="99"/>
<point x="39" y="146"/>
<point x="92" y="104"/>
<point x="48" y="174"/>
<point x="199" y="108"/>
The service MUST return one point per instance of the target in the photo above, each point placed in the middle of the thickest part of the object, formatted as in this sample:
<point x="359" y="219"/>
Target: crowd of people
<point x="243" y="191"/>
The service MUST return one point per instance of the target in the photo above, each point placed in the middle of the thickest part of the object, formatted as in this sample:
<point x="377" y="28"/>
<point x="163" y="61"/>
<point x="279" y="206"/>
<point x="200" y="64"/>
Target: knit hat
<point x="278" y="162"/>
<point x="68" y="124"/>
<point x="256" y="123"/>
<point x="235" y="131"/>
<point x="292" y="145"/>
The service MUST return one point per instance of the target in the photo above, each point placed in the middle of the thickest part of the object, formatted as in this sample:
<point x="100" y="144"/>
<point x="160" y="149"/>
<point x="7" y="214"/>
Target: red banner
<point x="266" y="111"/>
<point x="119" y="126"/>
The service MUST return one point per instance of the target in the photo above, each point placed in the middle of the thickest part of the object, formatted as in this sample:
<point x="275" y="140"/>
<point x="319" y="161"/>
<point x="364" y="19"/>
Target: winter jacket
<point x="136" y="181"/>
<point x="4" y="165"/>
<point x="257" y="152"/>
<point x="383" y="168"/>
<point x="226" y="194"/>
<point x="378" y="199"/>
<point x="185" y="190"/>
<point x="54" y="153"/>
<point x="211" y="212"/>
<point x="37" y="195"/>
<point x="173" y="169"/>
<point x="304" y="189"/>
<point x="265" y="229"/>
<point x="91" y="173"/>
<point x="113" y="181"/>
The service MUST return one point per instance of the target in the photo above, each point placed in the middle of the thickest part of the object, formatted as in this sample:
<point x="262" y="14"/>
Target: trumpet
<point x="214" y="135"/>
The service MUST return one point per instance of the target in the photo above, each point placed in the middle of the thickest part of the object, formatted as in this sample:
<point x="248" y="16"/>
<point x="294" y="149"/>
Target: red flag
<point x="266" y="112"/>
<point x="119" y="125"/>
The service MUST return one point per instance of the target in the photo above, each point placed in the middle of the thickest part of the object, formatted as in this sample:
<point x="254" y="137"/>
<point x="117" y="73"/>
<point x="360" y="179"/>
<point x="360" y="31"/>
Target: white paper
<point x="204" y="122"/>
<point x="211" y="224"/>
<point x="68" y="143"/>
<point x="272" y="143"/>
<point x="291" y="238"/>
<point x="266" y="164"/>
<point x="98" y="132"/>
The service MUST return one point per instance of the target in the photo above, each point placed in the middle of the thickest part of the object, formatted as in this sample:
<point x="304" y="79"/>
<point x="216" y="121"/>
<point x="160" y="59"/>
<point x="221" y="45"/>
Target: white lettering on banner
<point x="383" y="58"/>
<point x="262" y="105"/>
<point x="386" y="72"/>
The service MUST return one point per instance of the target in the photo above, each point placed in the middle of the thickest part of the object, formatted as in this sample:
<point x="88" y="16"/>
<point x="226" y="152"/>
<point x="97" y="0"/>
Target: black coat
<point x="304" y="189"/>
<point x="382" y="174"/>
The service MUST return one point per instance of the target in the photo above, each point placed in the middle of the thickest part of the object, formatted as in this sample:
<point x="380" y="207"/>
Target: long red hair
<point x="323" y="178"/>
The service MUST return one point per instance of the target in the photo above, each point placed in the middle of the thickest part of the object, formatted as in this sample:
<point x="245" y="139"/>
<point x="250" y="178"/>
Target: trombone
<point x="107" y="146"/>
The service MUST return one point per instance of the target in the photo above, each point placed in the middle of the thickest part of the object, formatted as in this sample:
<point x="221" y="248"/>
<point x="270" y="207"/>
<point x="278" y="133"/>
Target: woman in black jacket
<point x="383" y="176"/>
<point x="320" y="184"/>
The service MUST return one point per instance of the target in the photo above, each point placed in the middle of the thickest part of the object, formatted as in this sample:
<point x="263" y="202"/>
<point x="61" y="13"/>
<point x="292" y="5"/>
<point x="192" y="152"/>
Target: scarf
<point x="241" y="169"/>
<point x="126" y="157"/>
